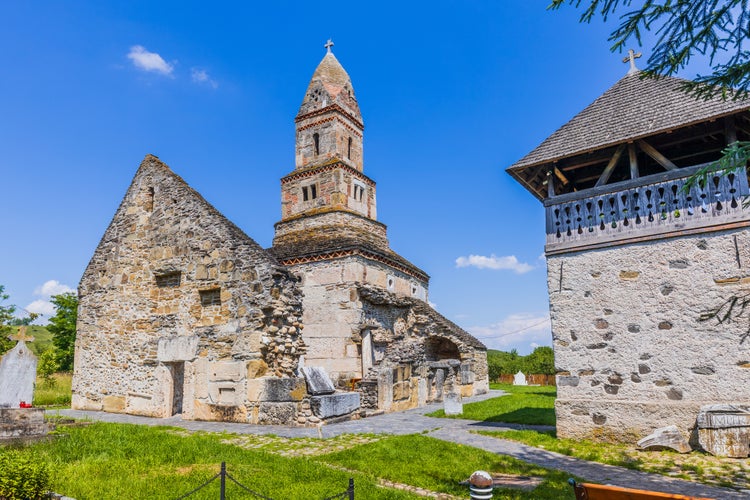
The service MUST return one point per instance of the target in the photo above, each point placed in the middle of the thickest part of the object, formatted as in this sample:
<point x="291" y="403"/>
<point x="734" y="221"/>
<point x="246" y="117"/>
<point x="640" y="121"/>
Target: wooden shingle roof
<point x="633" y="108"/>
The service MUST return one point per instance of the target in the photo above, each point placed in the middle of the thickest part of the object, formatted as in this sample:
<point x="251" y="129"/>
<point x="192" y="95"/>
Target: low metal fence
<point x="223" y="475"/>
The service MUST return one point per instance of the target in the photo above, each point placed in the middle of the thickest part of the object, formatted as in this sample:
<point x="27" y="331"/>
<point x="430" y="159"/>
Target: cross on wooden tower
<point x="632" y="56"/>
<point x="328" y="45"/>
<point x="21" y="336"/>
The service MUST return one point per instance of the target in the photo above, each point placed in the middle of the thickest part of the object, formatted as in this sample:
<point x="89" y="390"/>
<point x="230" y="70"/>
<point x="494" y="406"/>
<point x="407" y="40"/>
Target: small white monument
<point x="17" y="376"/>
<point x="519" y="379"/>
<point x="17" y="373"/>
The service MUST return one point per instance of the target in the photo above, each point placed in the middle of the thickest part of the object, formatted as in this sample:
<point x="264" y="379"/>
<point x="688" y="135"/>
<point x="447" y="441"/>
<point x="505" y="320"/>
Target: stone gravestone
<point x="17" y="373"/>
<point x="325" y="402"/>
<point x="519" y="379"/>
<point x="17" y="377"/>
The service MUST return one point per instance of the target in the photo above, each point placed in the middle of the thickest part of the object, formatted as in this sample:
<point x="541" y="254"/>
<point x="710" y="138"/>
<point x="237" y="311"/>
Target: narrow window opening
<point x="169" y="280"/>
<point x="316" y="144"/>
<point x="210" y="297"/>
<point x="309" y="192"/>
<point x="359" y="192"/>
<point x="149" y="205"/>
<point x="349" y="149"/>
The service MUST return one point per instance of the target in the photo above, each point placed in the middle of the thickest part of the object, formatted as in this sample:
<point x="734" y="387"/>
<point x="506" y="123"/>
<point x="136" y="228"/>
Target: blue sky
<point x="452" y="93"/>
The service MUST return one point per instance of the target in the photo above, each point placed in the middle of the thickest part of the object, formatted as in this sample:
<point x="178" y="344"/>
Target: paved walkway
<point x="452" y="430"/>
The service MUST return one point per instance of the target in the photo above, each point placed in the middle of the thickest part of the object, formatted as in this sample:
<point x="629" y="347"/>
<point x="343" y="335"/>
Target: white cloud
<point x="149" y="61"/>
<point x="494" y="262"/>
<point x="201" y="76"/>
<point x="52" y="287"/>
<point x="522" y="331"/>
<point x="40" y="306"/>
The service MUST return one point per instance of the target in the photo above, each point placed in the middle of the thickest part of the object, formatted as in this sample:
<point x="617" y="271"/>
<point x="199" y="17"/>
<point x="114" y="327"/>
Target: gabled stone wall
<point x="414" y="354"/>
<point x="630" y="352"/>
<point x="181" y="312"/>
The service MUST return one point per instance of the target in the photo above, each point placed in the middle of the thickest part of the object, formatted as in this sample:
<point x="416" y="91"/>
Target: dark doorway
<point x="178" y="382"/>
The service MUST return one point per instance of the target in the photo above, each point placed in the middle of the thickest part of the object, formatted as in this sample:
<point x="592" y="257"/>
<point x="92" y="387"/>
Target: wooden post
<point x="550" y="184"/>
<point x="633" y="161"/>
<point x="730" y="131"/>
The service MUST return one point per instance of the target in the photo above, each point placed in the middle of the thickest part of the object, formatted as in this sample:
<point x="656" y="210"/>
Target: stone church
<point x="181" y="312"/>
<point x="635" y="257"/>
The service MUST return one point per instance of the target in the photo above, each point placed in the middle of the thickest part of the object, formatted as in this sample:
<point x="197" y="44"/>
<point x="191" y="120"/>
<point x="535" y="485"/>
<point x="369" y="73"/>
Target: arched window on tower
<point x="349" y="149"/>
<point x="316" y="144"/>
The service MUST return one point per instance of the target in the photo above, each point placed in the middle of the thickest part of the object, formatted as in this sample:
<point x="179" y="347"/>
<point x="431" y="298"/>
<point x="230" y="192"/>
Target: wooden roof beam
<point x="610" y="166"/>
<point x="657" y="156"/>
<point x="561" y="176"/>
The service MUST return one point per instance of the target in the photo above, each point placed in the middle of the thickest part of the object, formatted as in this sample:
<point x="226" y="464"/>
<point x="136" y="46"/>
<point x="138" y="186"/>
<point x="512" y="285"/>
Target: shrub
<point x="47" y="367"/>
<point x="22" y="477"/>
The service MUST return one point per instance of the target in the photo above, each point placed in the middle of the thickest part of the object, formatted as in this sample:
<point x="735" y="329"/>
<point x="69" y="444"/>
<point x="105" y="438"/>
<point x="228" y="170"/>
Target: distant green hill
<point x="42" y="338"/>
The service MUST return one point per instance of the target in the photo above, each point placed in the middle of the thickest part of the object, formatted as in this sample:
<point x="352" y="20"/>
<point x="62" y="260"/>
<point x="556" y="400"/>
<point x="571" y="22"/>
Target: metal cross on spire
<point x="632" y="56"/>
<point x="328" y="45"/>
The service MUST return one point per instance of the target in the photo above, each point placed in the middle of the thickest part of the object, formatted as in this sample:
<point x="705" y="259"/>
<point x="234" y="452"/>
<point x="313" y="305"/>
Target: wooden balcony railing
<point x="647" y="208"/>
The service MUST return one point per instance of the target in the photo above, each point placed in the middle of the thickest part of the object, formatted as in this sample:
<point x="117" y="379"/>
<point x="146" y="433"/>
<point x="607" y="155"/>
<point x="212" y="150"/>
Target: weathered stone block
<point x="334" y="405"/>
<point x="665" y="437"/>
<point x="317" y="381"/>
<point x="22" y="422"/>
<point x="114" y="404"/>
<point x="256" y="368"/>
<point x="226" y="370"/>
<point x="177" y="348"/>
<point x="277" y="413"/>
<point x="274" y="389"/>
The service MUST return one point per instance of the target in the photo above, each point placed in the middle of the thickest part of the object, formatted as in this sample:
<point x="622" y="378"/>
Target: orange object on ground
<point x="590" y="491"/>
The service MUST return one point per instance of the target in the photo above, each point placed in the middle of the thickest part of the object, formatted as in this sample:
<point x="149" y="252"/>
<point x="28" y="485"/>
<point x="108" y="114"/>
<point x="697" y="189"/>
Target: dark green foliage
<point x="541" y="361"/>
<point x="6" y="316"/>
<point x="734" y="157"/>
<point x="23" y="476"/>
<point x="62" y="326"/>
<point x="47" y="366"/>
<point x="683" y="29"/>
<point x="21" y="321"/>
<point x="524" y="404"/>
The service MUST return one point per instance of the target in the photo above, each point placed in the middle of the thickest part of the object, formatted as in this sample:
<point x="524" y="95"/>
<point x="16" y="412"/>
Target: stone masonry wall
<point x="415" y="352"/>
<point x="181" y="311"/>
<point x="630" y="352"/>
<point x="333" y="310"/>
<point x="334" y="187"/>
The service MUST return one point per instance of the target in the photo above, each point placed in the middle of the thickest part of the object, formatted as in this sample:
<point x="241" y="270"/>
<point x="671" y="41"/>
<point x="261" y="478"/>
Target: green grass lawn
<point x="695" y="466"/>
<point x="531" y="405"/>
<point x="55" y="395"/>
<point x="114" y="461"/>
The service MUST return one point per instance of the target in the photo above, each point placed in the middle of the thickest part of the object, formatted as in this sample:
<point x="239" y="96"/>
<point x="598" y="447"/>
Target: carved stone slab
<point x="317" y="381"/>
<point x="724" y="430"/>
<point x="334" y="405"/>
<point x="665" y="437"/>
